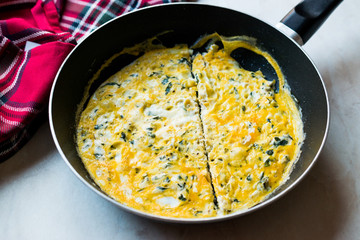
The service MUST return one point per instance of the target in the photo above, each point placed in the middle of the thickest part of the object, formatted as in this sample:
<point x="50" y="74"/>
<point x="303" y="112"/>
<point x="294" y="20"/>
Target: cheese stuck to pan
<point x="189" y="135"/>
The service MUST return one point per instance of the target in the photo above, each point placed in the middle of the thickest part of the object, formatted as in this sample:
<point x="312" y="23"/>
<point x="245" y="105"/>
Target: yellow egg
<point x="189" y="135"/>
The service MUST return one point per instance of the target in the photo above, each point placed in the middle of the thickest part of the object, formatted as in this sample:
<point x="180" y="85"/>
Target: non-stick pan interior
<point x="186" y="22"/>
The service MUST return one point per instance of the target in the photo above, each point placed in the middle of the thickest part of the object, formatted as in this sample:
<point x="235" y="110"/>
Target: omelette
<point x="190" y="134"/>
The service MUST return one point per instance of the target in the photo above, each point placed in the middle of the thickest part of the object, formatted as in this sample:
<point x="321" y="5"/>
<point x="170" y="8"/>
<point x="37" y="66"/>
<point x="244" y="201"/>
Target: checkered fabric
<point x="51" y="28"/>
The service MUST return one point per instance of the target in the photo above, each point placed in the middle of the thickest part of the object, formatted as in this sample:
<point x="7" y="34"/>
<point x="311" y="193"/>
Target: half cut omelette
<point x="187" y="135"/>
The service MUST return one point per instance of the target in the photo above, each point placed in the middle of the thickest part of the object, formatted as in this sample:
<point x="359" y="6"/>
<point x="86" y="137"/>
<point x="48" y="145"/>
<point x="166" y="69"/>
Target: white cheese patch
<point x="102" y="120"/>
<point x="123" y="178"/>
<point x="246" y="139"/>
<point x="128" y="192"/>
<point x="93" y="113"/>
<point x="99" y="151"/>
<point x="155" y="110"/>
<point x="168" y="201"/>
<point x="255" y="96"/>
<point x="194" y="187"/>
<point x="98" y="172"/>
<point x="87" y="144"/>
<point x="177" y="116"/>
<point x="118" y="157"/>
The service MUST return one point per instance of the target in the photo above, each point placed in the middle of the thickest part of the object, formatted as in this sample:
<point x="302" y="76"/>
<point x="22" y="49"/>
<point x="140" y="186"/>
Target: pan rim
<point x="188" y="220"/>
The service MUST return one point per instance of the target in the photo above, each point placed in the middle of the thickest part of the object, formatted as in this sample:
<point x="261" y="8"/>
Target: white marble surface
<point x="40" y="198"/>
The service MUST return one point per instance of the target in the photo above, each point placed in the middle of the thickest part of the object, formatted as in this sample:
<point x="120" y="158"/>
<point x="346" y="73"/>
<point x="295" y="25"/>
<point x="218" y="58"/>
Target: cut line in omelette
<point x="253" y="135"/>
<point x="186" y="135"/>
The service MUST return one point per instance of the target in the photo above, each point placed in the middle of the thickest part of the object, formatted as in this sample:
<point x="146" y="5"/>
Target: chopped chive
<point x="236" y="91"/>
<point x="182" y="198"/>
<point x="267" y="162"/>
<point x="123" y="136"/>
<point x="249" y="178"/>
<point x="151" y="135"/>
<point x="168" y="88"/>
<point x="270" y="152"/>
<point x="280" y="142"/>
<point x="161" y="188"/>
<point x="165" y="81"/>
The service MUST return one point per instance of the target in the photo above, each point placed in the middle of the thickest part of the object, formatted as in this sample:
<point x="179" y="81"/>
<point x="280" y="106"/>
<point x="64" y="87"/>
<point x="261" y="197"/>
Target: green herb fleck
<point x="197" y="212"/>
<point x="123" y="136"/>
<point x="97" y="127"/>
<point x="236" y="91"/>
<point x="151" y="135"/>
<point x="165" y="81"/>
<point x="270" y="152"/>
<point x="265" y="183"/>
<point x="280" y="142"/>
<point x="182" y="198"/>
<point x="161" y="188"/>
<point x="262" y="175"/>
<point x="168" y="88"/>
<point x="182" y="186"/>
<point x="249" y="177"/>
<point x="154" y="74"/>
<point x="267" y="162"/>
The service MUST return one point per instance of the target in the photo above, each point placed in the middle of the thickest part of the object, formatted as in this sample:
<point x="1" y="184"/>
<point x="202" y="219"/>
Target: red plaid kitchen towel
<point x="35" y="38"/>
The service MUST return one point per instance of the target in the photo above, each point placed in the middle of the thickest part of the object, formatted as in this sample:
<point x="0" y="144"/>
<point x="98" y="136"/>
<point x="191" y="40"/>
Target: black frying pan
<point x="188" y="21"/>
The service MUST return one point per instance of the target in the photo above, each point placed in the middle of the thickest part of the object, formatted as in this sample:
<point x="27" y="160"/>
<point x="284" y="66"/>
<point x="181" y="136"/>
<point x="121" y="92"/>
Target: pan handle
<point x="306" y="18"/>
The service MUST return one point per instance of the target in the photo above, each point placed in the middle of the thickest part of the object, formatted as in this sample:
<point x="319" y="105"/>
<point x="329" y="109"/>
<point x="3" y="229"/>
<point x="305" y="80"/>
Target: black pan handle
<point x="306" y="18"/>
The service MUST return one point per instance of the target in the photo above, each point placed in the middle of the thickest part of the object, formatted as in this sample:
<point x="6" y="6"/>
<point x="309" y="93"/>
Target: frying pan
<point x="185" y="23"/>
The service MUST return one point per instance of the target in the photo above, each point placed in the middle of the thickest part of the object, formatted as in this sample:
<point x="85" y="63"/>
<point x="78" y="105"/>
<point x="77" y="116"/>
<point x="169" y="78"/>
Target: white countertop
<point x="40" y="198"/>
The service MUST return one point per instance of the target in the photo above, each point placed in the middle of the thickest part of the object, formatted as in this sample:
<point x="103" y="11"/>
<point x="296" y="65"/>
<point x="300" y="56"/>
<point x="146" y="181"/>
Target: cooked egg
<point x="187" y="135"/>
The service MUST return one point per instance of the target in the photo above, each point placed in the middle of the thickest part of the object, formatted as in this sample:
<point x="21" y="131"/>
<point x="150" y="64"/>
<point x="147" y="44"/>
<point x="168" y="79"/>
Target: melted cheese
<point x="158" y="140"/>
